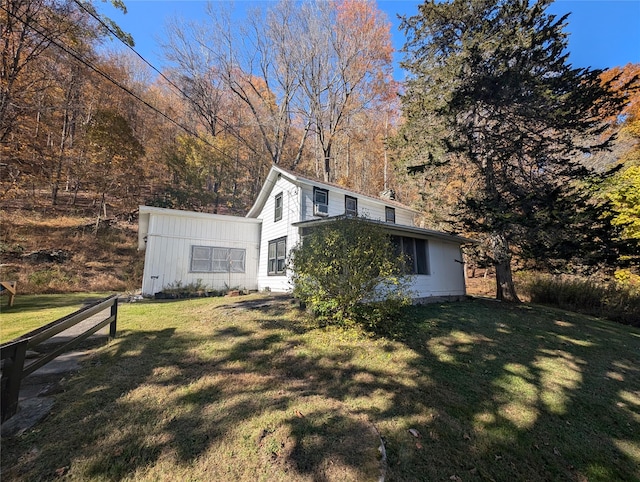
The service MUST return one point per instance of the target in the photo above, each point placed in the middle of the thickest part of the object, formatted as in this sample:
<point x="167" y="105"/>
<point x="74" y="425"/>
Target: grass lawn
<point x="238" y="389"/>
<point x="30" y="312"/>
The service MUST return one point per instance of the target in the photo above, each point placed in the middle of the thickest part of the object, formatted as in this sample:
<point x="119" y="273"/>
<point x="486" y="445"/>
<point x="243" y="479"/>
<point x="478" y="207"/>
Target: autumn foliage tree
<point x="114" y="152"/>
<point x="302" y="74"/>
<point x="622" y="189"/>
<point x="44" y="77"/>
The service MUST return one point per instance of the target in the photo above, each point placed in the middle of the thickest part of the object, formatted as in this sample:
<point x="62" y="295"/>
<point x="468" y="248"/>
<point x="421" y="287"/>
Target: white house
<point x="250" y="252"/>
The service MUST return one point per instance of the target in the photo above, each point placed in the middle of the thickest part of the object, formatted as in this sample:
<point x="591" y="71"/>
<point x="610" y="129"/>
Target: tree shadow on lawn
<point x="496" y="392"/>
<point x="156" y="403"/>
<point x="523" y="393"/>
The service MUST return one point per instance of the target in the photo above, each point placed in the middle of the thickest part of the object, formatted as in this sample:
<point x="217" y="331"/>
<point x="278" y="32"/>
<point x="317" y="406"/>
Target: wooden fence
<point x="13" y="353"/>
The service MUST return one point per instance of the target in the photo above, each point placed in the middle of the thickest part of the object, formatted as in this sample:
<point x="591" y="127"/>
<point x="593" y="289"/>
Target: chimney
<point x="388" y="194"/>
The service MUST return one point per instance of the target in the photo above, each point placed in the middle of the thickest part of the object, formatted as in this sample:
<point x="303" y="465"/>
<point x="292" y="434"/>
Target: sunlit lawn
<point x="235" y="389"/>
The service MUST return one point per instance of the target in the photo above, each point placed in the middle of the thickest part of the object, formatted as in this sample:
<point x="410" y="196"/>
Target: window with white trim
<point x="211" y="259"/>
<point x="320" y="202"/>
<point x="278" y="208"/>
<point x="277" y="252"/>
<point x="389" y="214"/>
<point x="350" y="206"/>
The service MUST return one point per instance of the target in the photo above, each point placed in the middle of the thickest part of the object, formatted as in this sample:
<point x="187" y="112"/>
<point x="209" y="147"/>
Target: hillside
<point x="56" y="249"/>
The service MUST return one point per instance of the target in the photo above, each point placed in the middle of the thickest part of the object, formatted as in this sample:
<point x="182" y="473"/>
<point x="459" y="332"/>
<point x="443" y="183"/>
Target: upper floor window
<point x="278" y="208"/>
<point x="389" y="215"/>
<point x="320" y="202"/>
<point x="350" y="206"/>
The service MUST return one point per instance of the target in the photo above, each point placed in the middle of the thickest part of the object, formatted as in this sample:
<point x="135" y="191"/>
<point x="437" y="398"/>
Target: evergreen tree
<point x="492" y="89"/>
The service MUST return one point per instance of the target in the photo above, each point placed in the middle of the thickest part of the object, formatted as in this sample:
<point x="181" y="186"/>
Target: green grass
<point x="218" y="389"/>
<point x="29" y="312"/>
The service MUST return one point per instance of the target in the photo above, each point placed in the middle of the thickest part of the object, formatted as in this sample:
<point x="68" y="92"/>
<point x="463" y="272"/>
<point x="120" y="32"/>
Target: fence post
<point x="11" y="378"/>
<point x="114" y="313"/>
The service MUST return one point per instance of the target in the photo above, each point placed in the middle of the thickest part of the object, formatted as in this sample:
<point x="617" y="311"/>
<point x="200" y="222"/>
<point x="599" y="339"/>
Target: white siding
<point x="446" y="274"/>
<point x="168" y="249"/>
<point x="272" y="230"/>
<point x="367" y="207"/>
<point x="168" y="236"/>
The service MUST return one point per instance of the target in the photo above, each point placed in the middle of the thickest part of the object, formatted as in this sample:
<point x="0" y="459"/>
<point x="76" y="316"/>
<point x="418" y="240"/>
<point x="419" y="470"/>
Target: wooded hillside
<point x="90" y="131"/>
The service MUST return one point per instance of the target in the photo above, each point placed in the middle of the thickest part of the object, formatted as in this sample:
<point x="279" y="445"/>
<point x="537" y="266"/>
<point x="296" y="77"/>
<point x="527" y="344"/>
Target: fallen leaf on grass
<point x="414" y="432"/>
<point x="418" y="445"/>
<point x="299" y="414"/>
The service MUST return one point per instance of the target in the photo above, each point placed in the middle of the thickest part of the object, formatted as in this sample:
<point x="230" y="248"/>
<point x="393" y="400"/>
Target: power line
<point x="80" y="59"/>
<point x="116" y="35"/>
<point x="167" y="79"/>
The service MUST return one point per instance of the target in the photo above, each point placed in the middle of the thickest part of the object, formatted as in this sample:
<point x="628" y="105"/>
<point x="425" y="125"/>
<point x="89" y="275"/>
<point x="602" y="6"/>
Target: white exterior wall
<point x="170" y="236"/>
<point x="446" y="272"/>
<point x="367" y="208"/>
<point x="272" y="230"/>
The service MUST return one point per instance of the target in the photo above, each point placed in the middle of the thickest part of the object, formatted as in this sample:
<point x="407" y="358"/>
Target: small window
<point x="390" y="215"/>
<point x="350" y="206"/>
<point x="210" y="259"/>
<point x="278" y="208"/>
<point x="422" y="264"/>
<point x="320" y="202"/>
<point x="277" y="256"/>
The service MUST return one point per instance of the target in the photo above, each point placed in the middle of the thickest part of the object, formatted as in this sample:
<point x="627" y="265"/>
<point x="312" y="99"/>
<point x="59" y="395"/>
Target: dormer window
<point x="278" y="208"/>
<point x="350" y="206"/>
<point x="320" y="202"/>
<point x="389" y="215"/>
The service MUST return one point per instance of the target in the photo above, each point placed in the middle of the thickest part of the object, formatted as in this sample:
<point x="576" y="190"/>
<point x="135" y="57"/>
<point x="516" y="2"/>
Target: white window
<point x="350" y="206"/>
<point x="210" y="259"/>
<point x="278" y="208"/>
<point x="277" y="256"/>
<point x="320" y="202"/>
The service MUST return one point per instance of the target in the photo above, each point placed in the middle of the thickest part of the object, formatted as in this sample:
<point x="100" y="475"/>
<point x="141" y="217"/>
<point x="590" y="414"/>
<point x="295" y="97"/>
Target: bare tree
<point x="296" y="68"/>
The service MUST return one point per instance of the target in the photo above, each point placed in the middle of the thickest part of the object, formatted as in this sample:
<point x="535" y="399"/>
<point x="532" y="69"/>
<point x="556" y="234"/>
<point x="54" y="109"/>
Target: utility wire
<point x="80" y="59"/>
<point x="115" y="34"/>
<point x="81" y="4"/>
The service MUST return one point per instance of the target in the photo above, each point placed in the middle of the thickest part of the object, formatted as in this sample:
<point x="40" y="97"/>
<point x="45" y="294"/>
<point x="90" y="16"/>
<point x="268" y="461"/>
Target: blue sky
<point x="603" y="33"/>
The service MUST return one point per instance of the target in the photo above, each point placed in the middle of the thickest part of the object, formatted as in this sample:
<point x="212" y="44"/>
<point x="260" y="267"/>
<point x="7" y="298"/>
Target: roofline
<point x="400" y="228"/>
<point x="296" y="178"/>
<point x="195" y="214"/>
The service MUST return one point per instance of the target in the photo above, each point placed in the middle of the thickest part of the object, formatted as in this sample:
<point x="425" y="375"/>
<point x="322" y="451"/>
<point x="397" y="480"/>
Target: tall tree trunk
<point x="327" y="168"/>
<point x="505" y="289"/>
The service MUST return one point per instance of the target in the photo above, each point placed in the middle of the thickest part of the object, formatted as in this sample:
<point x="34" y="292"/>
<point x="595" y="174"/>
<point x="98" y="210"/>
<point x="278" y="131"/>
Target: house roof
<point x="195" y="214"/>
<point x="396" y="229"/>
<point x="276" y="171"/>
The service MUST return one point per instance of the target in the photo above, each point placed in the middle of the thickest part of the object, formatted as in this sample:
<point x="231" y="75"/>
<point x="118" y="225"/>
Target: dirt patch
<point x="58" y="253"/>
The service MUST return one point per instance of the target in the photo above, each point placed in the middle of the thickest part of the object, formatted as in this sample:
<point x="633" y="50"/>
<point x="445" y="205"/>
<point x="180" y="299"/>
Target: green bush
<point x="48" y="277"/>
<point x="345" y="271"/>
<point x="608" y="300"/>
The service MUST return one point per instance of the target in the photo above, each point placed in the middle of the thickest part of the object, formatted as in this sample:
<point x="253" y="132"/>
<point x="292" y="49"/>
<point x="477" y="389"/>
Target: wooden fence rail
<point x="13" y="353"/>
